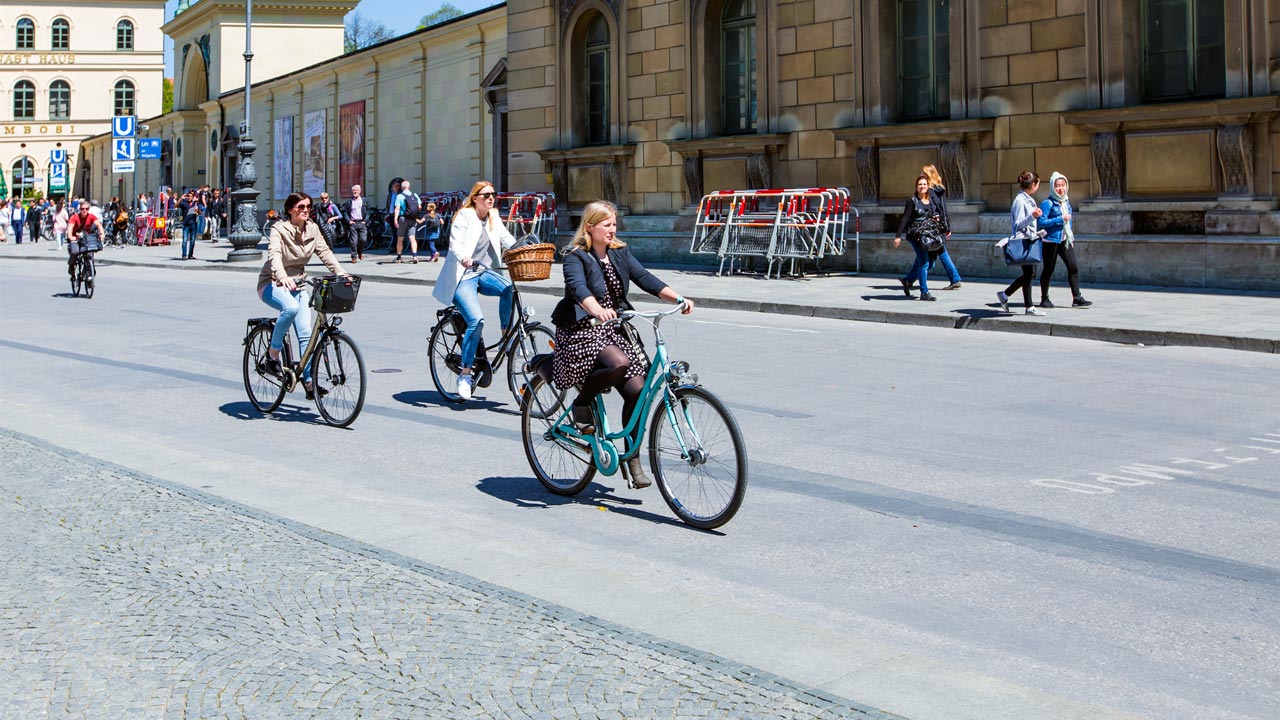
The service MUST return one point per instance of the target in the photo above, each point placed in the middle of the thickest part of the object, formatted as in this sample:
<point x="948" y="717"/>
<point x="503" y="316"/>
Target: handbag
<point x="930" y="232"/>
<point x="1024" y="250"/>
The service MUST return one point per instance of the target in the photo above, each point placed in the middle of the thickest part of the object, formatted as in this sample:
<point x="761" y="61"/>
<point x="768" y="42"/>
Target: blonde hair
<point x="931" y="172"/>
<point x="431" y="206"/>
<point x="470" y="202"/>
<point x="593" y="214"/>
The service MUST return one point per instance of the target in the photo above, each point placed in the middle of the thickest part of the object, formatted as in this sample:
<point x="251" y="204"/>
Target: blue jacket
<point x="1051" y="220"/>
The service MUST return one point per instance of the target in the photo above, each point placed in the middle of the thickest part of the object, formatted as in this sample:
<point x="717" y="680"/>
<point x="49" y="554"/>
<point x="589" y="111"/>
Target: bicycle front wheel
<point x="563" y="466"/>
<point x="90" y="277"/>
<point x="75" y="278"/>
<point x="337" y="376"/>
<point x="265" y="389"/>
<point x="445" y="352"/>
<point x="698" y="457"/>
<point x="535" y="340"/>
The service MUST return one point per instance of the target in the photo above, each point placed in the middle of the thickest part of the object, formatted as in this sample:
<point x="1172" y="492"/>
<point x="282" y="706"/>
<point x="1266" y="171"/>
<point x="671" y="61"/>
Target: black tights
<point x="1024" y="282"/>
<point x="611" y="371"/>
<point x="1051" y="253"/>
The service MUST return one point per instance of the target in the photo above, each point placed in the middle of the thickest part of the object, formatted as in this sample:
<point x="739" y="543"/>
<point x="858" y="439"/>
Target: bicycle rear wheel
<point x="445" y="356"/>
<point x="265" y="389"/>
<point x="534" y="340"/>
<point x="562" y="466"/>
<point x="705" y="480"/>
<point x="337" y="376"/>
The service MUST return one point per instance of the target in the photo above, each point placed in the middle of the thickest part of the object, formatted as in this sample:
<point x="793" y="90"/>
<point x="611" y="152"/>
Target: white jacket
<point x="464" y="235"/>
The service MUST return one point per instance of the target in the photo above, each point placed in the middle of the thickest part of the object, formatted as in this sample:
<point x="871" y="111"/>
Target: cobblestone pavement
<point x="123" y="596"/>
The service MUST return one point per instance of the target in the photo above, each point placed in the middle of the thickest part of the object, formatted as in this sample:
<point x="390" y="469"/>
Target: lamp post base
<point x="245" y="233"/>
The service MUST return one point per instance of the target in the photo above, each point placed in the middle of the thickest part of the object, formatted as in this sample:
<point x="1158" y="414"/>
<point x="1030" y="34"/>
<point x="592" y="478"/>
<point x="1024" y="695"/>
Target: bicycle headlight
<point x="528" y="311"/>
<point x="336" y="320"/>
<point x="679" y="369"/>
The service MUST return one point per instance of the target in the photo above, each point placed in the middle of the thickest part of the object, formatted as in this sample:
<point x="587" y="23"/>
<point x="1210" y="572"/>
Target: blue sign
<point x="149" y="148"/>
<point x="124" y="126"/>
<point x="58" y="155"/>
<point x="123" y="148"/>
<point x="58" y="173"/>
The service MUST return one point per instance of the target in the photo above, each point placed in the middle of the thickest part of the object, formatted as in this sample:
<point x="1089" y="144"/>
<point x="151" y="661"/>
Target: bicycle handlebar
<point x="629" y="314"/>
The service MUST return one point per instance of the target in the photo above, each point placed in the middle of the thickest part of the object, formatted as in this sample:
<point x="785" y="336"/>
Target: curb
<point x="1123" y="336"/>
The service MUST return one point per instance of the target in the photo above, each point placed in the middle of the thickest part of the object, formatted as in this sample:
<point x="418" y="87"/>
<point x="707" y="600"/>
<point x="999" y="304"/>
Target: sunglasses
<point x="301" y="207"/>
<point x="486" y="195"/>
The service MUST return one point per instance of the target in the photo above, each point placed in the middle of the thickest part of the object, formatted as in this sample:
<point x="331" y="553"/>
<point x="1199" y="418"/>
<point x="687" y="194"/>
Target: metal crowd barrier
<point x="529" y="213"/>
<point x="784" y="227"/>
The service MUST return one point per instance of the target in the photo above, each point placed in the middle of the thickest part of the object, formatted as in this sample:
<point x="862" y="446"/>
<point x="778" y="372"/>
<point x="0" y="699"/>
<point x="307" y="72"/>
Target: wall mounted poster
<point x="282" y="162"/>
<point x="350" y="147"/>
<point x="313" y="153"/>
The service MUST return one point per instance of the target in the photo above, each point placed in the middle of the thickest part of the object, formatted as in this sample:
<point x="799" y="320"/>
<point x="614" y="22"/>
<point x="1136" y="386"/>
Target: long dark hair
<point x="295" y="198"/>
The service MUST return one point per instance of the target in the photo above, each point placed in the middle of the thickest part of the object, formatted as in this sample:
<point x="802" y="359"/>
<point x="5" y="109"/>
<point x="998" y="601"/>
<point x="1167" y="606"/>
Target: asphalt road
<point x="940" y="524"/>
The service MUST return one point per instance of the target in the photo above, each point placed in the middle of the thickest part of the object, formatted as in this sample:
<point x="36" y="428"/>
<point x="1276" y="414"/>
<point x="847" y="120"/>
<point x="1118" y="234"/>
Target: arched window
<point x="26" y="34"/>
<point x="59" y="100"/>
<point x="738" y="67"/>
<point x="924" y="59"/>
<point x="24" y="100"/>
<point x="60" y="34"/>
<point x="595" y="79"/>
<point x="24" y="177"/>
<point x="124" y="35"/>
<point x="124" y="98"/>
<point x="1183" y="53"/>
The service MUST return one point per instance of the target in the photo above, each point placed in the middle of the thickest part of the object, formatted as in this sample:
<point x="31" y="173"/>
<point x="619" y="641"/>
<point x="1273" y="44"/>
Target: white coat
<point x="464" y="235"/>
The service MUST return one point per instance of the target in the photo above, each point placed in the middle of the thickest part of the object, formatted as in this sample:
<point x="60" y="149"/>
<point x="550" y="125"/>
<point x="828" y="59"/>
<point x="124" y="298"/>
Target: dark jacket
<point x="345" y="209"/>
<point x="914" y="210"/>
<point x="584" y="277"/>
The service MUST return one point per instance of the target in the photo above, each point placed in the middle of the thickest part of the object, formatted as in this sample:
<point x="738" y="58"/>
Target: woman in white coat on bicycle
<point x="476" y="241"/>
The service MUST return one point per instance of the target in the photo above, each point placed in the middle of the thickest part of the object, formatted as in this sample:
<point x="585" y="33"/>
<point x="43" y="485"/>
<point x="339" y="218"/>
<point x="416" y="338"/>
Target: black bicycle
<point x="84" y="270"/>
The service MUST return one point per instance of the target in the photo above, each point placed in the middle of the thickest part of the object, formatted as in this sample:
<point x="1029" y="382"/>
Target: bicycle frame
<point x="322" y="326"/>
<point x="504" y="346"/>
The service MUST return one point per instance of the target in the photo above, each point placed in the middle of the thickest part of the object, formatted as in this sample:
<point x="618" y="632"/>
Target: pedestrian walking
<point x="6" y="217"/>
<point x="476" y="241"/>
<point x="924" y="228"/>
<point x="191" y="210"/>
<point x="59" y="219"/>
<point x="408" y="206"/>
<point x="431" y="224"/>
<point x="18" y="221"/>
<point x="1059" y="240"/>
<point x="355" y="212"/>
<point x="940" y="192"/>
<point x="35" y="214"/>
<point x="217" y="212"/>
<point x="1024" y="215"/>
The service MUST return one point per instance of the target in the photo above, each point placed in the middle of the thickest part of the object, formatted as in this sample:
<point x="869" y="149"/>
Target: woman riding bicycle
<point x="476" y="240"/>
<point x="598" y="271"/>
<point x="281" y="282"/>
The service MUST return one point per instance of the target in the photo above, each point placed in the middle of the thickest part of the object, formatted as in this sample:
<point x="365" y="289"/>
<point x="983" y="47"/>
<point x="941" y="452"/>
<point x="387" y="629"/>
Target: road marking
<point x="758" y="327"/>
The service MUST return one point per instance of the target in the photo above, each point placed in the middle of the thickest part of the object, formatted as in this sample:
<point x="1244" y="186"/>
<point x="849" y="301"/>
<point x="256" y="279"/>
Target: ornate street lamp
<point x="245" y="234"/>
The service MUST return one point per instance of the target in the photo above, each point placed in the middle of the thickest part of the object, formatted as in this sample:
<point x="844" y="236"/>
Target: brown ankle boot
<point x="635" y="468"/>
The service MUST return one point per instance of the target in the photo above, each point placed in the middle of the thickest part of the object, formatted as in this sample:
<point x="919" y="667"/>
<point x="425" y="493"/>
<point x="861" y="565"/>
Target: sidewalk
<point x="1239" y="320"/>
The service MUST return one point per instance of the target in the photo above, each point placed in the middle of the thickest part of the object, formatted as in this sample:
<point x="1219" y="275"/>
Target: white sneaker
<point x="1003" y="300"/>
<point x="464" y="386"/>
<point x="1035" y="311"/>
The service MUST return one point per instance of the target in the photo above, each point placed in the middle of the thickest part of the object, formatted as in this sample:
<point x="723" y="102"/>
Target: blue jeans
<point x="952" y="273"/>
<point x="188" y="240"/>
<point x="293" y="311"/>
<point x="920" y="268"/>
<point x="466" y="299"/>
<point x="431" y="243"/>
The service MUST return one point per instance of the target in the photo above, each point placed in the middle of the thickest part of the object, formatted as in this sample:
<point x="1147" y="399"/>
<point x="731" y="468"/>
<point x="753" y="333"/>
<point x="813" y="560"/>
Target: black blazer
<point x="584" y="277"/>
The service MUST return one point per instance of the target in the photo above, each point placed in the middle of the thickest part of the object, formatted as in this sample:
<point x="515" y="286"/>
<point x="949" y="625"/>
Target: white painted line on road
<point x="757" y="327"/>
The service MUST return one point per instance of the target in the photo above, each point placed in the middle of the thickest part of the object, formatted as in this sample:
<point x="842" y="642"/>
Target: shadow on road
<point x="433" y="399"/>
<point x="288" y="413"/>
<point x="70" y="296"/>
<point x="527" y="492"/>
<point x="973" y="315"/>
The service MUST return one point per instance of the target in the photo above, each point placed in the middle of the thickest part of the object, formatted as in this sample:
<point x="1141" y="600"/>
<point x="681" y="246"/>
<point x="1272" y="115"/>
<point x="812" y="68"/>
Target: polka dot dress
<point x="578" y="345"/>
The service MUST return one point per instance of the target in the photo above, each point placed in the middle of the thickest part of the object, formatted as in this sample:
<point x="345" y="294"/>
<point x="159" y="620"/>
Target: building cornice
<point x="1201" y="113"/>
<point x="204" y="11"/>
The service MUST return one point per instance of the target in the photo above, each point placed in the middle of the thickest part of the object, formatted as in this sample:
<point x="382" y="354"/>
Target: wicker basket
<point x="530" y="262"/>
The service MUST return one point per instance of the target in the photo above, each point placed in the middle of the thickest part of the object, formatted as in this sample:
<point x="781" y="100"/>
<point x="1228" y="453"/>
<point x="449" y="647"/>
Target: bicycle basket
<point x="90" y="243"/>
<point x="530" y="262"/>
<point x="335" y="294"/>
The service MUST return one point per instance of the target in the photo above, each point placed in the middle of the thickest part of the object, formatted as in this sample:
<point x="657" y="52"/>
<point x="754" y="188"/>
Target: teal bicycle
<point x="696" y="452"/>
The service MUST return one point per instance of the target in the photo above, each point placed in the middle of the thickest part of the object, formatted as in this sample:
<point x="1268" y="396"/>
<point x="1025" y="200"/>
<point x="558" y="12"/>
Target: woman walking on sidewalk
<point x="1059" y="240"/>
<point x="1024" y="214"/>
<point x="924" y="227"/>
<point x="940" y="192"/>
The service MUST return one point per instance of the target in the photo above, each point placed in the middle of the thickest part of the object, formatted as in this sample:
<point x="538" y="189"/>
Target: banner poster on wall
<point x="282" y="173"/>
<point x="313" y="153"/>
<point x="350" y="147"/>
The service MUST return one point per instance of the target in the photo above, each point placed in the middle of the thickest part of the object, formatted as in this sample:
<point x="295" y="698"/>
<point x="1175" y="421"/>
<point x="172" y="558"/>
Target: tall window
<point x="738" y="66"/>
<point x="59" y="100"/>
<point x="124" y="98"/>
<point x="596" y="79"/>
<point x="124" y="35"/>
<point x="60" y="34"/>
<point x="1184" y="55"/>
<point x="924" y="59"/>
<point x="24" y="100"/>
<point x="26" y="34"/>
<point x="24" y="177"/>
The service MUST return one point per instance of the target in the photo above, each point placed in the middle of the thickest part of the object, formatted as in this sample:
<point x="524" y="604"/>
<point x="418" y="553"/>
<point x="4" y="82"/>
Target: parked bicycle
<point x="517" y="346"/>
<point x="696" y="451"/>
<point x="337" y="368"/>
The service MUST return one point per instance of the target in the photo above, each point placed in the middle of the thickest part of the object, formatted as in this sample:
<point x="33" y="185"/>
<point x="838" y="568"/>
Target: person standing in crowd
<point x="34" y="215"/>
<point x="408" y="208"/>
<point x="1024" y="214"/>
<point x="18" y="220"/>
<point x="60" y="218"/>
<point x="329" y="218"/>
<point x="476" y="241"/>
<point x="6" y="217"/>
<point x="431" y="224"/>
<point x="354" y="213"/>
<point x="940" y="193"/>
<point x="217" y="212"/>
<point x="282" y="282"/>
<point x="598" y="271"/>
<point x="922" y="223"/>
<point x="1059" y="240"/>
<point x="143" y="205"/>
<point x="190" y="209"/>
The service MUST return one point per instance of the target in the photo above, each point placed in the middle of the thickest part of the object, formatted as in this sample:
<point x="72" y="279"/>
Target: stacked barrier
<point x="784" y="227"/>
<point x="529" y="213"/>
<point x="149" y="229"/>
